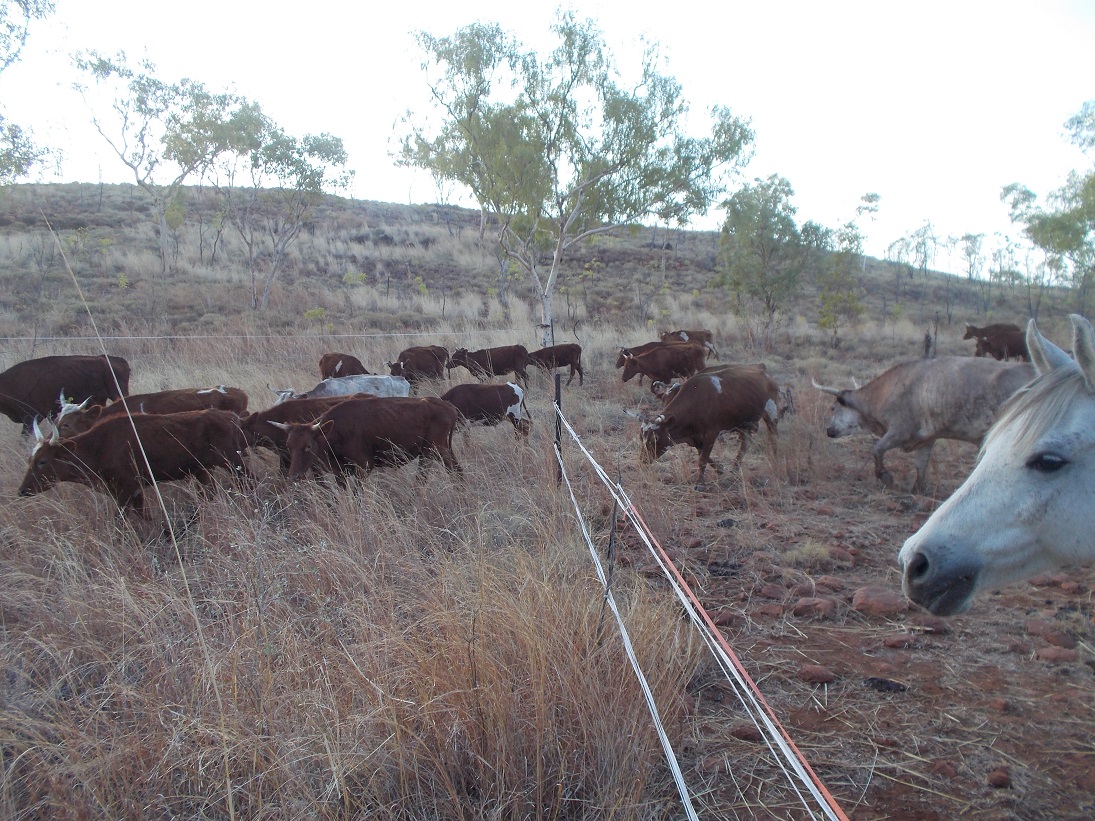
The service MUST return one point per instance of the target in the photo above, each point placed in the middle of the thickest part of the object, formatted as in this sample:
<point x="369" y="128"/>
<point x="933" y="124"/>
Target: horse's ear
<point x="1044" y="354"/>
<point x="1083" y="347"/>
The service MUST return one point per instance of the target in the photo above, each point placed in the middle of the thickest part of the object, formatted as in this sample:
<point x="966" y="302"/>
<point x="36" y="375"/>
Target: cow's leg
<point x="922" y="457"/>
<point x="743" y="443"/>
<point x="885" y="443"/>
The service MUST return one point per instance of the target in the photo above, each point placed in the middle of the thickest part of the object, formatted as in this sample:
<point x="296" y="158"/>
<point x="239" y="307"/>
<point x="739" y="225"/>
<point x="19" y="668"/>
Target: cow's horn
<point x="38" y="436"/>
<point x="833" y="391"/>
<point x="280" y="425"/>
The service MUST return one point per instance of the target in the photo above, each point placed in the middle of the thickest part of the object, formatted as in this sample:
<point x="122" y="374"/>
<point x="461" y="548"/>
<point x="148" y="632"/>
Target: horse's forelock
<point x="1037" y="408"/>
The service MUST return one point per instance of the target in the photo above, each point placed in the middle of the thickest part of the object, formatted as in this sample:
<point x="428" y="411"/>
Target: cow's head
<point x="395" y="368"/>
<point x="51" y="461"/>
<point x="307" y="444"/>
<point x="971" y="332"/>
<point x="654" y="438"/>
<point x="845" y="417"/>
<point x="284" y="394"/>
<point x="457" y="358"/>
<point x="631" y="365"/>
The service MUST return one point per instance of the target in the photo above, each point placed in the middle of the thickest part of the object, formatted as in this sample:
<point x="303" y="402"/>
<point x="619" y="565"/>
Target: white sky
<point x="933" y="105"/>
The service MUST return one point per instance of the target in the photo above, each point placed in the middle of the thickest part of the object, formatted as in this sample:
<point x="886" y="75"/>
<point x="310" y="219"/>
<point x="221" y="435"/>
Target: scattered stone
<point x="1051" y="633"/>
<point x="728" y="522"/>
<point x="1041" y="580"/>
<point x="944" y="769"/>
<point x="936" y="625"/>
<point x="771" y="610"/>
<point x="701" y="511"/>
<point x="1000" y="778"/>
<point x="746" y="732"/>
<point x="1056" y="655"/>
<point x="692" y="545"/>
<point x="832" y="582"/>
<point x="885" y="685"/>
<point x="724" y="618"/>
<point x="840" y="555"/>
<point x="824" y="511"/>
<point x="900" y="641"/>
<point x="878" y="601"/>
<point x="816" y="674"/>
<point x="1073" y="588"/>
<point x="772" y="591"/>
<point x="1001" y="705"/>
<point x="815" y="607"/>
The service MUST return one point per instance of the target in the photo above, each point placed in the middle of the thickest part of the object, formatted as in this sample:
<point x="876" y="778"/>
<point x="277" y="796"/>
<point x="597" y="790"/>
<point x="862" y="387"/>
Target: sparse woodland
<point x="403" y="651"/>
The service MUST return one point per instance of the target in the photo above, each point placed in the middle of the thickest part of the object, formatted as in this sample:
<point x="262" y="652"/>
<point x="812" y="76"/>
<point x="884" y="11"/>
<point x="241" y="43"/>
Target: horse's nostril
<point x="917" y="568"/>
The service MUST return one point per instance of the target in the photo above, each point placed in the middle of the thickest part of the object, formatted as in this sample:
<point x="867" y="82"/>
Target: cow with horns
<point x="112" y="454"/>
<point x="74" y="419"/>
<point x="420" y="362"/>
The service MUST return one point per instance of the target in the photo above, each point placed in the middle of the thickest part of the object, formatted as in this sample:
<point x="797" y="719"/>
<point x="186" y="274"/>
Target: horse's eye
<point x="1046" y="462"/>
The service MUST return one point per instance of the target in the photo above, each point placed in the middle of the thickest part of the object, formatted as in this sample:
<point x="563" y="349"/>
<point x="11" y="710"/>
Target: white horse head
<point x="1027" y="506"/>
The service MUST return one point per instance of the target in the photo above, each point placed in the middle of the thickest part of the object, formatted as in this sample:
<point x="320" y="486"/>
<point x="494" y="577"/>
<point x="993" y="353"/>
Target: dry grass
<point x="441" y="651"/>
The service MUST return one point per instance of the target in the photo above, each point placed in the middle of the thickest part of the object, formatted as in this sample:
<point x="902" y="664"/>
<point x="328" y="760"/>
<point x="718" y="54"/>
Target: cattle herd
<point x="98" y="434"/>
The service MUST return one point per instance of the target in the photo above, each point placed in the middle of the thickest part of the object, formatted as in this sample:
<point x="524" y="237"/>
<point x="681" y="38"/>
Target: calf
<point x="560" y="356"/>
<point x="340" y="364"/>
<point x="111" y="455"/>
<point x="733" y="399"/>
<point x="75" y="419"/>
<point x="1000" y="341"/>
<point x="490" y="404"/>
<point x="492" y="362"/>
<point x="621" y="358"/>
<point x="374" y="430"/>
<point x="261" y="432"/>
<point x="665" y="363"/>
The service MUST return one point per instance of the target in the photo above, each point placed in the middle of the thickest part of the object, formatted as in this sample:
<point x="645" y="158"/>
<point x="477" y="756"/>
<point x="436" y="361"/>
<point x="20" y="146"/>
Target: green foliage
<point x="18" y="152"/>
<point x="556" y="147"/>
<point x="761" y="255"/>
<point x="838" y="301"/>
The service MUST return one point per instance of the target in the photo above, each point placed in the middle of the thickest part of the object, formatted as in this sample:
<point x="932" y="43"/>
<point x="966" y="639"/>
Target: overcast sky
<point x="933" y="105"/>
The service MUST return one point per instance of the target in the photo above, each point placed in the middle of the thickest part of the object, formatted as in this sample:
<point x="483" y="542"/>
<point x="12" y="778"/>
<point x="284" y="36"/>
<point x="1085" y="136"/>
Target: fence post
<point x="559" y="427"/>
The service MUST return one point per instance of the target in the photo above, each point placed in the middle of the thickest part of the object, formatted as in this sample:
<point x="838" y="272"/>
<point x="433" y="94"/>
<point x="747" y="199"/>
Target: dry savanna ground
<point x="396" y="650"/>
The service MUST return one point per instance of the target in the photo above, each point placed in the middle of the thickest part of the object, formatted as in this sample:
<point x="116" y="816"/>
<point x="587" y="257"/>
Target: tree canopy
<point x="557" y="148"/>
<point x="18" y="152"/>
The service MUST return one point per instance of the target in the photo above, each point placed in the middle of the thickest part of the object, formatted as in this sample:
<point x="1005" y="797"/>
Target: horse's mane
<point x="1037" y="407"/>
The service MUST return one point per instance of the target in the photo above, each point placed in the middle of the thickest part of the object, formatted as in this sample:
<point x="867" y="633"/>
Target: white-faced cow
<point x="489" y="362"/>
<point x="261" y="432"/>
<point x="108" y="456"/>
<point x="340" y="364"/>
<point x="701" y="336"/>
<point x="490" y="404"/>
<point x="664" y="363"/>
<point x="29" y="390"/>
<point x="362" y="433"/>
<point x="372" y="384"/>
<point x="735" y="399"/>
<point x="420" y="362"/>
<point x="915" y="403"/>
<point x="74" y="419"/>
<point x="560" y="356"/>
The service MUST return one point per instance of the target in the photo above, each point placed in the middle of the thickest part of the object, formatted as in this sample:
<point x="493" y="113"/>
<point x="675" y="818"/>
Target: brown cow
<point x="260" y="431"/>
<point x="1000" y="341"/>
<point x="29" y="390"/>
<point x="785" y="404"/>
<point x="490" y="404"/>
<point x="420" y="362"/>
<point x="665" y="363"/>
<point x="492" y="362"/>
<point x="700" y="335"/>
<point x="108" y="457"/>
<point x="734" y="399"/>
<point x="371" y="430"/>
<point x="621" y="360"/>
<point x="75" y="419"/>
<point x="560" y="356"/>
<point x="340" y="364"/>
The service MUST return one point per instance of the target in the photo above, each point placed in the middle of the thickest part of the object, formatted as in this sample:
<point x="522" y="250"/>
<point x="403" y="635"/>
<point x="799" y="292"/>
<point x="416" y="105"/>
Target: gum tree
<point x="165" y="133"/>
<point x="558" y="148"/>
<point x="18" y="152"/>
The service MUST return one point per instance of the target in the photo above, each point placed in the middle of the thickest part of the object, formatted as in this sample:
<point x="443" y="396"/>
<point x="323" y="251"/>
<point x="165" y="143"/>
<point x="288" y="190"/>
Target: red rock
<point x="1055" y="655"/>
<point x="701" y="511"/>
<point x="878" y="601"/>
<point x="1042" y="580"/>
<point x="824" y="511"/>
<point x="1073" y="588"/>
<point x="1037" y="627"/>
<point x="814" y="608"/>
<point x="1000" y="778"/>
<point x="746" y="732"/>
<point x="1000" y="705"/>
<point x="772" y="610"/>
<point x="944" y="769"/>
<point x="936" y="625"/>
<point x="692" y="545"/>
<point x="900" y="641"/>
<point x="832" y="582"/>
<point x="723" y="618"/>
<point x="816" y="674"/>
<point x="839" y="554"/>
<point x="772" y="591"/>
<point x="1060" y="638"/>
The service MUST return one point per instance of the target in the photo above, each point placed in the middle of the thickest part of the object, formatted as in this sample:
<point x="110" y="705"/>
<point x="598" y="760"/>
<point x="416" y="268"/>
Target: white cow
<point x="373" y="384"/>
